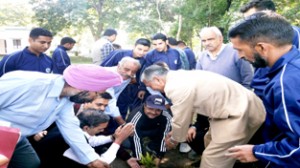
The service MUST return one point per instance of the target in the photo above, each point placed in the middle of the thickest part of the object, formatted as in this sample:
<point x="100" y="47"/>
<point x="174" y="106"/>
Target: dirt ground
<point x="175" y="159"/>
<point x="172" y="159"/>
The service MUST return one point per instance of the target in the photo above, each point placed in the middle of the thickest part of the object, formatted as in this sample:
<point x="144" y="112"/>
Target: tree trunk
<point x="179" y="27"/>
<point x="96" y="31"/>
<point x="159" y="15"/>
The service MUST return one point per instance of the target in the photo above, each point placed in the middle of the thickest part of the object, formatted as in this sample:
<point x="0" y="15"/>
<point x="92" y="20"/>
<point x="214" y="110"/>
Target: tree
<point x="181" y="18"/>
<point x="18" y="14"/>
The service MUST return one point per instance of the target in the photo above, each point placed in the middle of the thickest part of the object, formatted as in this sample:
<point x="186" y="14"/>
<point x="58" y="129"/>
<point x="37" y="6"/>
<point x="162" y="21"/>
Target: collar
<point x="284" y="59"/>
<point x="215" y="57"/>
<point x="57" y="87"/>
<point x="88" y="136"/>
<point x="28" y="52"/>
<point x="62" y="47"/>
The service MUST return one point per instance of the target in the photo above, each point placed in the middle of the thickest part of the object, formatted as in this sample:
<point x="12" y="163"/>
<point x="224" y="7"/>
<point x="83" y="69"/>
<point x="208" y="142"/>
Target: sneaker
<point x="184" y="147"/>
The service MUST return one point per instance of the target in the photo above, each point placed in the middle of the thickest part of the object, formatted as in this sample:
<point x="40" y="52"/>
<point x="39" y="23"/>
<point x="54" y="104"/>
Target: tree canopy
<point x="178" y="18"/>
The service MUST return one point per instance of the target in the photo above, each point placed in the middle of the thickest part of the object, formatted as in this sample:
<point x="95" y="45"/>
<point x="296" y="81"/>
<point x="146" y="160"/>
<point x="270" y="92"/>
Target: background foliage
<point x="178" y="18"/>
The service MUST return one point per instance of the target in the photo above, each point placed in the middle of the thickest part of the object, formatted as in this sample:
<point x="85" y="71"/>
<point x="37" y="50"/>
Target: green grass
<point x="74" y="60"/>
<point x="81" y="60"/>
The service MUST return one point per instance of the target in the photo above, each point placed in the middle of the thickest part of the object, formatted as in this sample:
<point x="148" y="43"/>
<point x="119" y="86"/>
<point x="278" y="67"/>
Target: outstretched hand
<point x="242" y="153"/>
<point x="170" y="143"/>
<point x="98" y="164"/>
<point x="123" y="132"/>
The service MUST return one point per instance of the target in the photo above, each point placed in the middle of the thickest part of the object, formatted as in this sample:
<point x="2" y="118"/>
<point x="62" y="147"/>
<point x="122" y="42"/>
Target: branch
<point x="159" y="15"/>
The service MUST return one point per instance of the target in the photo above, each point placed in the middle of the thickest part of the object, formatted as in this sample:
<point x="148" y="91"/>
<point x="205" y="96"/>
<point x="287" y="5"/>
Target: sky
<point x="14" y="1"/>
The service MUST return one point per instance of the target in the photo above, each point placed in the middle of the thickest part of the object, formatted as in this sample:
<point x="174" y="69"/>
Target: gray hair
<point x="214" y="29"/>
<point x="126" y="59"/>
<point x="153" y="70"/>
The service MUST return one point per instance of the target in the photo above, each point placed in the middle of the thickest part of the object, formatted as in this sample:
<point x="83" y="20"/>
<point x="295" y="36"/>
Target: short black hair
<point x="66" y="40"/>
<point x="117" y="46"/>
<point x="263" y="27"/>
<point x="259" y="5"/>
<point x="172" y="41"/>
<point x="110" y="32"/>
<point x="181" y="42"/>
<point x="143" y="41"/>
<point x="105" y="95"/>
<point x="92" y="118"/>
<point x="159" y="36"/>
<point x="36" y="32"/>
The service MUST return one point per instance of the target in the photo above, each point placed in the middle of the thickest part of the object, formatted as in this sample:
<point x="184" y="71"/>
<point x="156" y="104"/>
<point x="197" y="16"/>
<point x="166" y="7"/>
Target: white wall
<point x="9" y="34"/>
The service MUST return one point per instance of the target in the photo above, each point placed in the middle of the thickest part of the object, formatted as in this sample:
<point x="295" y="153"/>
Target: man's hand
<point x="170" y="143"/>
<point x="132" y="162"/>
<point x="119" y="120"/>
<point x="242" y="153"/>
<point x="141" y="94"/>
<point x="157" y="162"/>
<point x="98" y="164"/>
<point x="3" y="160"/>
<point x="133" y="81"/>
<point x="37" y="137"/>
<point x="191" y="134"/>
<point x="123" y="132"/>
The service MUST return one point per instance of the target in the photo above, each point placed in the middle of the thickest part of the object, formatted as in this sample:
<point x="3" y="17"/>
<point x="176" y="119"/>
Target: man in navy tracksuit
<point x="32" y="58"/>
<point x="265" y="39"/>
<point x="60" y="56"/>
<point x="163" y="53"/>
<point x="189" y="53"/>
<point x="152" y="121"/>
<point x="134" y="93"/>
<point x="260" y="78"/>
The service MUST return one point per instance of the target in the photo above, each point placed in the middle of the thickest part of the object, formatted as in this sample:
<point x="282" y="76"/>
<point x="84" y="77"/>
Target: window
<point x="3" y="47"/>
<point x="16" y="43"/>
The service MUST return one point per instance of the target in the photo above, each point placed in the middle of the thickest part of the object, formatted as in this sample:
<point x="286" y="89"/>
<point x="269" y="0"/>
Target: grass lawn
<point x="81" y="60"/>
<point x="74" y="60"/>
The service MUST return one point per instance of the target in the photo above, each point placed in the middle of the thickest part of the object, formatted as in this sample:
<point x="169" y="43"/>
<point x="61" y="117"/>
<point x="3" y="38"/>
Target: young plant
<point x="147" y="160"/>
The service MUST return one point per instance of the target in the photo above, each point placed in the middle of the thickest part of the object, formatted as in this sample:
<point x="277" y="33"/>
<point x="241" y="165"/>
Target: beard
<point x="80" y="98"/>
<point x="259" y="62"/>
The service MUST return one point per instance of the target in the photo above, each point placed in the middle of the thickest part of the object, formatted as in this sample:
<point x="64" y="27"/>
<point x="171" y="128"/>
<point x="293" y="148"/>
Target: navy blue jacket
<point x="61" y="59"/>
<point x="191" y="57"/>
<point x="260" y="78"/>
<point x="171" y="57"/>
<point x="26" y="60"/>
<point x="282" y="102"/>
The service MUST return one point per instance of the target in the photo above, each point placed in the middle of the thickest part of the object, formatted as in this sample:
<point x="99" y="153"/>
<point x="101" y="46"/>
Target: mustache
<point x="81" y="98"/>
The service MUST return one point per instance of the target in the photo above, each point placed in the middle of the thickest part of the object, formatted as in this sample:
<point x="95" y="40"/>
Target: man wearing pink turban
<point x="32" y="101"/>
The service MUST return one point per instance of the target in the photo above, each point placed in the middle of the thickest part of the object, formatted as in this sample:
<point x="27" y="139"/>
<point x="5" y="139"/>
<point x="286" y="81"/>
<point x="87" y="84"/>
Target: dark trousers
<point x="198" y="143"/>
<point x="24" y="156"/>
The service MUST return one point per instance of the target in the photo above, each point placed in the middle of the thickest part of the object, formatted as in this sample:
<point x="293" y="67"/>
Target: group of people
<point x="150" y="100"/>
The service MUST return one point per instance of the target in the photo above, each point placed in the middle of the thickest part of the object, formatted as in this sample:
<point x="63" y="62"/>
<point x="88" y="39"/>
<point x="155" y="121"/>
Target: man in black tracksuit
<point x="152" y="121"/>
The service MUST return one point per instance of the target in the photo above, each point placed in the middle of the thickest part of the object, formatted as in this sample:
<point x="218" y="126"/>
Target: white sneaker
<point x="184" y="147"/>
